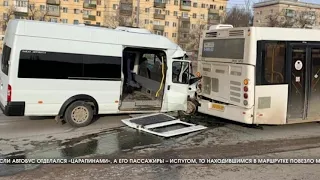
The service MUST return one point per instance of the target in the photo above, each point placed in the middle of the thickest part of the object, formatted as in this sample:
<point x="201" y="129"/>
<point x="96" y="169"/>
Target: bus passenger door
<point x="177" y="86"/>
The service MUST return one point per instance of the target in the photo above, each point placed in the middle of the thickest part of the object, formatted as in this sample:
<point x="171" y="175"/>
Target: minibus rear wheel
<point x="79" y="114"/>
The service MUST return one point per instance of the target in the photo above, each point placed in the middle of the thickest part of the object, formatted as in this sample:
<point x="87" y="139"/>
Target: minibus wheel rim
<point x="80" y="114"/>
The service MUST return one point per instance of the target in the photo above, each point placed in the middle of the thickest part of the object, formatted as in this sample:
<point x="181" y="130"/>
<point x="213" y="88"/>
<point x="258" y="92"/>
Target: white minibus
<point x="75" y="72"/>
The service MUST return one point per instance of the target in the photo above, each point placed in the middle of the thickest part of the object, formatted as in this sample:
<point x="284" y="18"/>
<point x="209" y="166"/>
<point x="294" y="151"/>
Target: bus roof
<point x="268" y="33"/>
<point x="89" y="34"/>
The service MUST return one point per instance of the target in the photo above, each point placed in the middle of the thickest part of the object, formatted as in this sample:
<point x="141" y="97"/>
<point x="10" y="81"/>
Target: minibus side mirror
<point x="194" y="80"/>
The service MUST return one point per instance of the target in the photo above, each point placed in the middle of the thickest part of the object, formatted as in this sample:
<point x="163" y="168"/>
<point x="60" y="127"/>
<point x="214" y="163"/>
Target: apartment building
<point x="285" y="9"/>
<point x="174" y="19"/>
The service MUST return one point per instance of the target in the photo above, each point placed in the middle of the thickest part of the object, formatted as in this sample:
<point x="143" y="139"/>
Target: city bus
<point x="74" y="72"/>
<point x="260" y="75"/>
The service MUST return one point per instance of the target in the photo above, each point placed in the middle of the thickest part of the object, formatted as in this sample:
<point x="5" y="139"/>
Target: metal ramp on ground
<point x="161" y="124"/>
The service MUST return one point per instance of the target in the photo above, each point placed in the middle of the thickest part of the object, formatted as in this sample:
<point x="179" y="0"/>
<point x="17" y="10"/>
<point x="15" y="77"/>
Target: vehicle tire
<point x="79" y="114"/>
<point x="191" y="109"/>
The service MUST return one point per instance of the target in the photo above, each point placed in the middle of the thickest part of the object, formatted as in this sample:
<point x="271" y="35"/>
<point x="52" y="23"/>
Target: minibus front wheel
<point x="191" y="108"/>
<point x="79" y="114"/>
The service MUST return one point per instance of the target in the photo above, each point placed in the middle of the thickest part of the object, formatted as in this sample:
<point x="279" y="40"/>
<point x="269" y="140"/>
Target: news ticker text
<point x="158" y="161"/>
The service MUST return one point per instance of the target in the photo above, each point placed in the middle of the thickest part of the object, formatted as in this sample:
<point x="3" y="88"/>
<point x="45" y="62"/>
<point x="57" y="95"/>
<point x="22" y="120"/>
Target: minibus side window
<point x="5" y="59"/>
<point x="180" y="72"/>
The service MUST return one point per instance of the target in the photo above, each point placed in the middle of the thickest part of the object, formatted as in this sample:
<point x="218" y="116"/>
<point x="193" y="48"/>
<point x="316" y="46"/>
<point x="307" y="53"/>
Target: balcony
<point x="213" y="21"/>
<point x="159" y="4"/>
<point x="53" y="10"/>
<point x="90" y="5"/>
<point x="53" y="2"/>
<point x="183" y="40"/>
<point x="89" y="17"/>
<point x="213" y="11"/>
<point x="21" y="6"/>
<point x="184" y="19"/>
<point x="125" y="9"/>
<point x="159" y="16"/>
<point x="20" y="14"/>
<point x="213" y="18"/>
<point x="185" y="5"/>
<point x="158" y="27"/>
<point x="184" y="29"/>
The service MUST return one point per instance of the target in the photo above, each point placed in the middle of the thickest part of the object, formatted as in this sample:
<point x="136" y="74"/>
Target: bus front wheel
<point x="79" y="114"/>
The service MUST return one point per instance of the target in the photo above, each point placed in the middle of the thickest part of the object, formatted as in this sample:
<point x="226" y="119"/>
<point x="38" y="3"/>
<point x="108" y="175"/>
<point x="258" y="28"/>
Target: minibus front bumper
<point x="13" y="108"/>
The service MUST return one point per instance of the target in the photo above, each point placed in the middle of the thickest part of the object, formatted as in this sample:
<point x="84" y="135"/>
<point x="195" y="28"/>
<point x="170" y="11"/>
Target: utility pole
<point x="138" y="13"/>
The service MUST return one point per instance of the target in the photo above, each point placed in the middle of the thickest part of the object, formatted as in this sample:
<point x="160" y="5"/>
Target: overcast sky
<point x="241" y="2"/>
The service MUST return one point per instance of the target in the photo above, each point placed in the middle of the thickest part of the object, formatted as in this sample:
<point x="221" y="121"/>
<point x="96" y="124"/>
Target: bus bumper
<point x="13" y="108"/>
<point x="229" y="112"/>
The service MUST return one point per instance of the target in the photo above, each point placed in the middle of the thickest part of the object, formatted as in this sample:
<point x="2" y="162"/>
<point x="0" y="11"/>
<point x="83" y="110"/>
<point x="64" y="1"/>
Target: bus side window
<point x="273" y="63"/>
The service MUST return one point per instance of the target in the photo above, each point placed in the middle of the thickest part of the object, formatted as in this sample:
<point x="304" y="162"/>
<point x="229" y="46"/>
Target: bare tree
<point x="35" y="13"/>
<point x="297" y="19"/>
<point x="238" y="17"/>
<point x="9" y="14"/>
<point x="118" y="19"/>
<point x="195" y="35"/>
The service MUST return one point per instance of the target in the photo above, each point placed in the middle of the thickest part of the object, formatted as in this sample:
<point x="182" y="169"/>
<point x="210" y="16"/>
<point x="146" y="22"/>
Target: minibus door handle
<point x="168" y="87"/>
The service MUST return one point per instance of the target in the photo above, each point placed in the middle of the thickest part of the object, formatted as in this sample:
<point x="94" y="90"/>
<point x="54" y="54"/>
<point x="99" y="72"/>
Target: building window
<point x="64" y="20"/>
<point x="76" y="11"/>
<point x="86" y="12"/>
<point x="98" y="13"/>
<point x="165" y="34"/>
<point x="157" y="11"/>
<point x="193" y="26"/>
<point x="71" y="66"/>
<point x="5" y="16"/>
<point x="166" y="23"/>
<point x="98" y="23"/>
<point x="98" y="2"/>
<point x="184" y="14"/>
<point x="65" y="10"/>
<point x="272" y="62"/>
<point x="146" y="21"/>
<point x="202" y="16"/>
<point x="75" y="21"/>
<point x="87" y="22"/>
<point x="175" y="13"/>
<point x="203" y="5"/>
<point x="167" y="12"/>
<point x="195" y="5"/>
<point x="115" y="6"/>
<point x="42" y="7"/>
<point x="147" y="10"/>
<point x="194" y="15"/>
<point x="136" y="8"/>
<point x="174" y="34"/>
<point x="174" y="24"/>
<point x="76" y="1"/>
<point x="5" y="3"/>
<point x="32" y="6"/>
<point x="54" y="20"/>
<point x="176" y="3"/>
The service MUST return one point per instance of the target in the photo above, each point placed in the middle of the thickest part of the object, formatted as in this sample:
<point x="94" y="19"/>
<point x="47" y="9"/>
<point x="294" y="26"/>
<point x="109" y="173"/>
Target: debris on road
<point x="161" y="124"/>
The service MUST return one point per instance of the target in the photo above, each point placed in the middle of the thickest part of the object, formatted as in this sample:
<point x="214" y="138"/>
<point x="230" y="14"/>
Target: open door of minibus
<point x="177" y="86"/>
